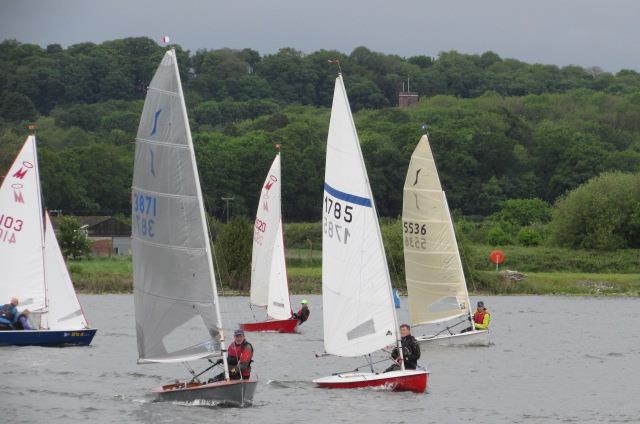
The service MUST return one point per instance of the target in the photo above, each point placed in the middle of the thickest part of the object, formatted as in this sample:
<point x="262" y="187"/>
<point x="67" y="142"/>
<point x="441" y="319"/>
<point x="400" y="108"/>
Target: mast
<point x="205" y="227"/>
<point x="375" y="213"/>
<point x="43" y="323"/>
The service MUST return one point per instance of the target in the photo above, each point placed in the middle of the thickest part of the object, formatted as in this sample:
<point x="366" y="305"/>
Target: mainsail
<point x="268" y="271"/>
<point x="435" y="280"/>
<point x="358" y="311"/>
<point x="21" y="236"/>
<point x="65" y="312"/>
<point x="175" y="293"/>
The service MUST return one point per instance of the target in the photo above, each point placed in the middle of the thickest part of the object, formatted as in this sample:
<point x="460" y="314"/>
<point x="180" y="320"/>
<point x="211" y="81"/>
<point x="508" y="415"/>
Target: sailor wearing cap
<point x="303" y="314"/>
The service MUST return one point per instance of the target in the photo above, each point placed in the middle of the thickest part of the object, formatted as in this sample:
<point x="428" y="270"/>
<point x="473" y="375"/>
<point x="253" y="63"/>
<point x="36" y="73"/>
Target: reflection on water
<point x="553" y="359"/>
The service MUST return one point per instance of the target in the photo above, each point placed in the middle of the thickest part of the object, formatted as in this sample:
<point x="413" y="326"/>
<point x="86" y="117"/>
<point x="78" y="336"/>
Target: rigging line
<point x="448" y="328"/>
<point x="364" y="365"/>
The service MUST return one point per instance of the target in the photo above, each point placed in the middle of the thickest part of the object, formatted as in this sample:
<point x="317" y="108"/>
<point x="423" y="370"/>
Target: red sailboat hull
<point x="397" y="381"/>
<point x="276" y="326"/>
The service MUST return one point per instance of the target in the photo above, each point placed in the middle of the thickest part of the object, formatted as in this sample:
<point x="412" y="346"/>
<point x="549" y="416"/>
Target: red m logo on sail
<point x="268" y="185"/>
<point x="20" y="173"/>
<point x="17" y="196"/>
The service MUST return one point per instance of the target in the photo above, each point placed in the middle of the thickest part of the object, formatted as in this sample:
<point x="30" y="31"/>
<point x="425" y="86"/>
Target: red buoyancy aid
<point x="478" y="317"/>
<point x="243" y="353"/>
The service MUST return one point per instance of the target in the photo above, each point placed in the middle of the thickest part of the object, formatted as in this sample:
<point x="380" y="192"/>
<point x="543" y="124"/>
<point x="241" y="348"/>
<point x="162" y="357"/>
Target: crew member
<point x="239" y="358"/>
<point x="23" y="321"/>
<point x="9" y="314"/>
<point x="481" y="318"/>
<point x="410" y="351"/>
<point x="303" y="314"/>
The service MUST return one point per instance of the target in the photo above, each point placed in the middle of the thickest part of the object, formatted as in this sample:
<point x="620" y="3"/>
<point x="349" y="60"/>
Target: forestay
<point x="268" y="271"/>
<point x="435" y="280"/>
<point x="358" y="311"/>
<point x="65" y="312"/>
<point x="174" y="284"/>
<point x="21" y="238"/>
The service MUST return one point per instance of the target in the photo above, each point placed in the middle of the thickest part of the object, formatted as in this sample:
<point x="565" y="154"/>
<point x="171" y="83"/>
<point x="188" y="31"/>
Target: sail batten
<point x="435" y="280"/>
<point x="359" y="316"/>
<point x="174" y="284"/>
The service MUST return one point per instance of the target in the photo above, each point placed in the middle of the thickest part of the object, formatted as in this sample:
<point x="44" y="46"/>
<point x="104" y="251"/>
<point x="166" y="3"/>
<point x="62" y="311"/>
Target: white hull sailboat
<point x="358" y="307"/>
<point x="269" y="287"/>
<point x="176" y="300"/>
<point x="33" y="268"/>
<point x="435" y="279"/>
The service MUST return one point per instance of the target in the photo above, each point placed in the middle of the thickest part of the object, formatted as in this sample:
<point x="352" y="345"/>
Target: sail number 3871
<point x="144" y="208"/>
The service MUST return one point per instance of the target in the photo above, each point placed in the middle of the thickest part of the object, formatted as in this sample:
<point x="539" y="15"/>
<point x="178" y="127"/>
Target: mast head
<point x="336" y="61"/>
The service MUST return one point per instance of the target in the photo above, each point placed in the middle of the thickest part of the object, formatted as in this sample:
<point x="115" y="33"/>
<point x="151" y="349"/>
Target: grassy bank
<point x="545" y="270"/>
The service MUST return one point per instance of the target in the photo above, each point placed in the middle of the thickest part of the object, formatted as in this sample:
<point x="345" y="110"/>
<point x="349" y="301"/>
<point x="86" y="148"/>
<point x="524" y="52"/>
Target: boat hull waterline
<point x="275" y="326"/>
<point x="470" y="338"/>
<point x="397" y="381"/>
<point x="47" y="337"/>
<point x="233" y="392"/>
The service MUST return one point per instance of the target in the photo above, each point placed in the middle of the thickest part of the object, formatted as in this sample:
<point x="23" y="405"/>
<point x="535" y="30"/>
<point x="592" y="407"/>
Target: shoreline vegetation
<point x="535" y="271"/>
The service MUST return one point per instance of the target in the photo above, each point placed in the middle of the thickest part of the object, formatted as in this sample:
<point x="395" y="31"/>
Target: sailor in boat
<point x="239" y="358"/>
<point x="23" y="321"/>
<point x="410" y="351"/>
<point x="303" y="314"/>
<point x="481" y="319"/>
<point x="9" y="315"/>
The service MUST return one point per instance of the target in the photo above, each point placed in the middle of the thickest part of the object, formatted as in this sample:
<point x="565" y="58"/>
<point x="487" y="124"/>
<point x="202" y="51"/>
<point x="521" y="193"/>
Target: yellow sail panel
<point x="435" y="280"/>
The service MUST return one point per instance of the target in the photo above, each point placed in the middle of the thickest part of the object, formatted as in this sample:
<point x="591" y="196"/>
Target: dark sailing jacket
<point x="303" y="314"/>
<point x="410" y="352"/>
<point x="241" y="356"/>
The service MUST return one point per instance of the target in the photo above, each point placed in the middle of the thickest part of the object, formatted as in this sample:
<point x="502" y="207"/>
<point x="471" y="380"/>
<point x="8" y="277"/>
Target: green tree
<point x="233" y="246"/>
<point x="603" y="213"/>
<point x="73" y="239"/>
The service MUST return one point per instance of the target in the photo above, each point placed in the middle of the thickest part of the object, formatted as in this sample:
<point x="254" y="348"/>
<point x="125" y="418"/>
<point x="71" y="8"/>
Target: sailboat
<point x="177" y="310"/>
<point x="358" y="307"/>
<point x="435" y="280"/>
<point x="268" y="269"/>
<point x="33" y="268"/>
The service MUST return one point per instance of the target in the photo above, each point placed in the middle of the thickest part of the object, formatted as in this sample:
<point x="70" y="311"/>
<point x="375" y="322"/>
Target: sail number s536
<point x="414" y="235"/>
<point x="144" y="213"/>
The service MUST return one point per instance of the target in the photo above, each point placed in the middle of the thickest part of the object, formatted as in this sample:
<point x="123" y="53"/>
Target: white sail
<point x="174" y="284"/>
<point x="268" y="270"/>
<point x="65" y="312"/>
<point x="21" y="239"/>
<point x="279" y="306"/>
<point x="358" y="311"/>
<point x="435" y="280"/>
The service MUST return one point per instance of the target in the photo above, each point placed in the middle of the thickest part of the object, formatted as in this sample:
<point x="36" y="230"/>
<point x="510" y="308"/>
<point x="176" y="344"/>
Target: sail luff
<point x="44" y="319"/>
<point x="358" y="312"/>
<point x="375" y="214"/>
<point x="433" y="267"/>
<point x="174" y="283"/>
<point x="205" y="227"/>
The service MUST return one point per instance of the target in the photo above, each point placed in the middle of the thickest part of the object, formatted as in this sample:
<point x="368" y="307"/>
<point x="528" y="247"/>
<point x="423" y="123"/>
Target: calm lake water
<point x="553" y="359"/>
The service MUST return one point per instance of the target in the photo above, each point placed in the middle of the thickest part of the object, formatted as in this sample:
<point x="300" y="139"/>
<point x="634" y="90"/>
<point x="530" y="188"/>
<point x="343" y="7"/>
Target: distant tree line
<point x="500" y="129"/>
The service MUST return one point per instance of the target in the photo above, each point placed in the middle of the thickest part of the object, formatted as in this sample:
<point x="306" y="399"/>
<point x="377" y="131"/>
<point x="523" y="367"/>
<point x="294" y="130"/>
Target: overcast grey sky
<point x="581" y="32"/>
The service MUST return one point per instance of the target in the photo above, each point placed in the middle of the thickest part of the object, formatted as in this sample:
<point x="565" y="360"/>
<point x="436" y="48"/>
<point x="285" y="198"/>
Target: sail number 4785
<point x="335" y="212"/>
